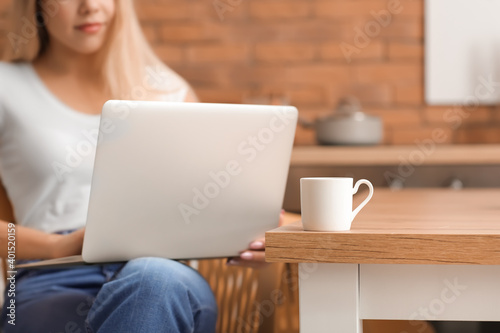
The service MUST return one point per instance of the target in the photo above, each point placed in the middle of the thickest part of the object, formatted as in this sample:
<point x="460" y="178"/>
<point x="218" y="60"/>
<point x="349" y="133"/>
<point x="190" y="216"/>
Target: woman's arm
<point x="31" y="243"/>
<point x="35" y="244"/>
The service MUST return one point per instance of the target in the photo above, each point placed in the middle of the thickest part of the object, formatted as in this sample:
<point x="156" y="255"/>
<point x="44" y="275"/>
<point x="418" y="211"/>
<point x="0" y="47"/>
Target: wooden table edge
<point x="363" y="247"/>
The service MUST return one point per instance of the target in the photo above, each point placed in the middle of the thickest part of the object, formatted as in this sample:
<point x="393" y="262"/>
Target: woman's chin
<point x="87" y="49"/>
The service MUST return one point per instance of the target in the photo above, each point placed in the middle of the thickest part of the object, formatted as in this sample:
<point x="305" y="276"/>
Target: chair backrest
<point x="261" y="300"/>
<point x="247" y="298"/>
<point x="235" y="290"/>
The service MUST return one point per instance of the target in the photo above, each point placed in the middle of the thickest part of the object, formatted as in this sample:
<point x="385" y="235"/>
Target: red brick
<point x="4" y="43"/>
<point x="341" y="9"/>
<point x="372" y="94"/>
<point x="399" y="51"/>
<point x="193" y="32"/>
<point x="389" y="72"/>
<point x="290" y="31"/>
<point x="455" y="116"/>
<point x="169" y="54"/>
<point x="226" y="10"/>
<point x="311" y="113"/>
<point x="280" y="9"/>
<point x="285" y="76"/>
<point x="265" y="95"/>
<point x="217" y="53"/>
<point x="496" y="114"/>
<point x="284" y="52"/>
<point x="407" y="135"/>
<point x="360" y="32"/>
<point x="150" y="32"/>
<point x="408" y="29"/>
<point x="4" y="23"/>
<point x="206" y="76"/>
<point x="347" y="52"/>
<point x="411" y="94"/>
<point x="182" y="33"/>
<point x="307" y="96"/>
<point x="5" y="6"/>
<point x="258" y="76"/>
<point x="317" y="74"/>
<point x="168" y="10"/>
<point x="255" y="77"/>
<point x="388" y="136"/>
<point x="412" y="8"/>
<point x="397" y="117"/>
<point x="219" y="95"/>
<point x="352" y="28"/>
<point x="336" y="90"/>
<point x="478" y="134"/>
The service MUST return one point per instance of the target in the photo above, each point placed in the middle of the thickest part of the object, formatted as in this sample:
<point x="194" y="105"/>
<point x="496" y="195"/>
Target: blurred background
<point x="232" y="51"/>
<point x="312" y="54"/>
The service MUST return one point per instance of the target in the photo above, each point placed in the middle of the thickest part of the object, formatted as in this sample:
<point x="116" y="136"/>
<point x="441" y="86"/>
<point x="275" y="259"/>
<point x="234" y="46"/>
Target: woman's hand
<point x="66" y="245"/>
<point x="254" y="256"/>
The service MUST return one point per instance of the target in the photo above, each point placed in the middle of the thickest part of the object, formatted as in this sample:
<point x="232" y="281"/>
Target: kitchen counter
<point x="424" y="154"/>
<point x="416" y="166"/>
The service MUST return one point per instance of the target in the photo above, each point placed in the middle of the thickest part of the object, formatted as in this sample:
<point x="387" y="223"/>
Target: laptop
<point x="184" y="180"/>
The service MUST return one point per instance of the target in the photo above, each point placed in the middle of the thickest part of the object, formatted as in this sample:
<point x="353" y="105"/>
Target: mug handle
<point x="355" y="190"/>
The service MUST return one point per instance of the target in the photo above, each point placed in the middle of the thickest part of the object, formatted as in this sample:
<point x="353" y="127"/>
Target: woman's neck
<point x="62" y="61"/>
<point x="73" y="78"/>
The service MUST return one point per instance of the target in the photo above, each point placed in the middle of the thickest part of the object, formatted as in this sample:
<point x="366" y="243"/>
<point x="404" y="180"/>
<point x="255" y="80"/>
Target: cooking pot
<point x="348" y="125"/>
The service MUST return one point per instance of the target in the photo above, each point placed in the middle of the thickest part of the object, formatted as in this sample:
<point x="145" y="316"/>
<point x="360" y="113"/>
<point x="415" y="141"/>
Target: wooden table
<point x="421" y="254"/>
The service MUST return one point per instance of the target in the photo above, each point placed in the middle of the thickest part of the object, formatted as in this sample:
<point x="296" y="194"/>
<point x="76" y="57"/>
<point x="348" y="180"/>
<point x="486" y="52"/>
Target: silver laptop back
<point x="186" y="180"/>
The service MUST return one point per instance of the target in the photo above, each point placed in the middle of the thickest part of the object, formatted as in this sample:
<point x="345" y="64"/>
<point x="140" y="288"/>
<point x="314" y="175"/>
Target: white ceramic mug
<point x="326" y="203"/>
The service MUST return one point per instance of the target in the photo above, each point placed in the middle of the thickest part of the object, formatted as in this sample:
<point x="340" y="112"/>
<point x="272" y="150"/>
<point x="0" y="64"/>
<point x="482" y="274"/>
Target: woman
<point x="64" y="60"/>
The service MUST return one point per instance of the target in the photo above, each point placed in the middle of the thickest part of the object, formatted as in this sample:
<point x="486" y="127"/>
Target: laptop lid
<point x="186" y="180"/>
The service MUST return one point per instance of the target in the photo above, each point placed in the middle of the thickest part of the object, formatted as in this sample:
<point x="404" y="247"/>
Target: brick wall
<point x="238" y="50"/>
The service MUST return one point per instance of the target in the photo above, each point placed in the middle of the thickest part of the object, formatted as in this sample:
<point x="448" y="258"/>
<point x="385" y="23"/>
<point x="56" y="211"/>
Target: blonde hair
<point x="128" y="63"/>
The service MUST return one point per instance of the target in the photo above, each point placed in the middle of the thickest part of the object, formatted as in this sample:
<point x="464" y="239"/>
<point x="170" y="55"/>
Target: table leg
<point x="329" y="298"/>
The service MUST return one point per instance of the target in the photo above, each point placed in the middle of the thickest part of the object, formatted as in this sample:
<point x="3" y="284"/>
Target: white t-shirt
<point x="47" y="151"/>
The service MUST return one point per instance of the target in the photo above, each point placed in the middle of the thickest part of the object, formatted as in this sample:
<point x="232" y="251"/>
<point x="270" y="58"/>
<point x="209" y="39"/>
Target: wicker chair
<point x="253" y="300"/>
<point x="242" y="292"/>
<point x="241" y="295"/>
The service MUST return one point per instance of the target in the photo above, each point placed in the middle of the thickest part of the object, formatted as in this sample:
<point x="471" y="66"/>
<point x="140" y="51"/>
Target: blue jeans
<point x="143" y="295"/>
